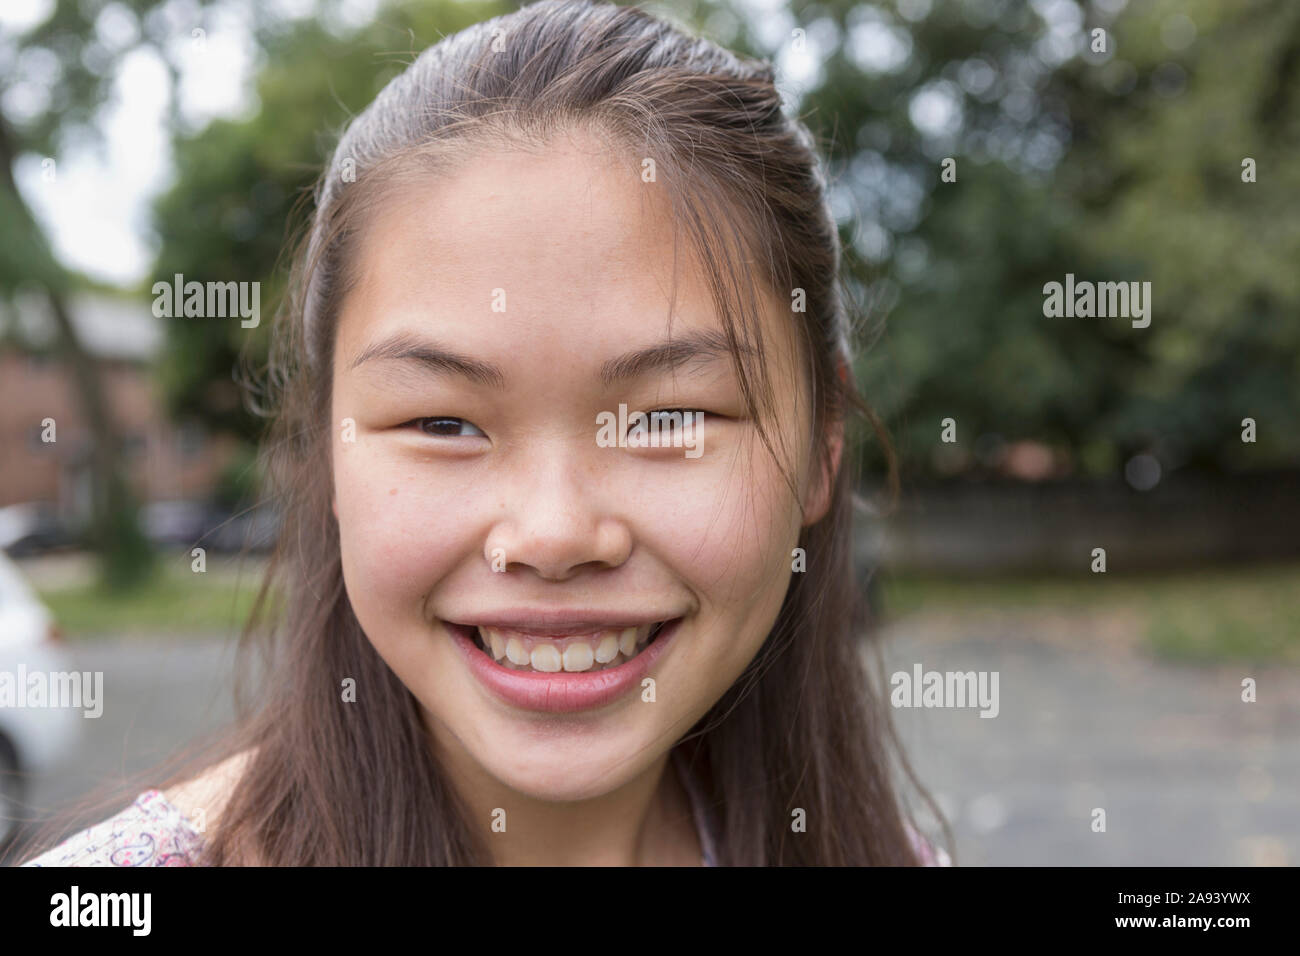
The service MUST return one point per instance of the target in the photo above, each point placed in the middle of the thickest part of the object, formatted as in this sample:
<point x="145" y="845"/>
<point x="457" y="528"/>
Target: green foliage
<point x="1159" y="173"/>
<point x="949" y="276"/>
<point x="80" y="70"/>
<point x="243" y="189"/>
<point x="239" y="482"/>
<point x="1243" y="614"/>
<point x="1148" y="188"/>
<point x="173" y="601"/>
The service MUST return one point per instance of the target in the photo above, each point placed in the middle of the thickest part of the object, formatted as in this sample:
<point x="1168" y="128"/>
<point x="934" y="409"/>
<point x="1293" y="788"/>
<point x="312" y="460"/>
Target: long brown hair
<point x="806" y="725"/>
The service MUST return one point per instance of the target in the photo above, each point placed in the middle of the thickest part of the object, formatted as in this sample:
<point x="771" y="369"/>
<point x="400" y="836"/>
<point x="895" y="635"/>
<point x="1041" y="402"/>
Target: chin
<point x="563" y="776"/>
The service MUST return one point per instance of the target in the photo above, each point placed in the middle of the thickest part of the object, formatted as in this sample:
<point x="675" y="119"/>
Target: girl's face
<point x="486" y="506"/>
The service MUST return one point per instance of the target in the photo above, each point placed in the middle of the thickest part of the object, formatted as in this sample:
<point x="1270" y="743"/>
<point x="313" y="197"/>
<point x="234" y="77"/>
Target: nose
<point x="555" y="521"/>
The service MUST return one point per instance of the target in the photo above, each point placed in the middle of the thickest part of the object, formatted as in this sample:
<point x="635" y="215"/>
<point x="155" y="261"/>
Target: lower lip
<point x="561" y="692"/>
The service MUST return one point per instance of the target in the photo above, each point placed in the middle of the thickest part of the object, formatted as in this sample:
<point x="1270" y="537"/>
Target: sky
<point x="96" y="207"/>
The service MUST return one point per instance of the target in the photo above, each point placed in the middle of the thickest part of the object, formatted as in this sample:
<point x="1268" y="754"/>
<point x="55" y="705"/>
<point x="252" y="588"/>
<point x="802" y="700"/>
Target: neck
<point x="645" y="822"/>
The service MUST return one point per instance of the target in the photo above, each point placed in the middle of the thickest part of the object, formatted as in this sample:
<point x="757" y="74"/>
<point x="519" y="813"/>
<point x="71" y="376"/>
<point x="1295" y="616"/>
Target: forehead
<point x="565" y="245"/>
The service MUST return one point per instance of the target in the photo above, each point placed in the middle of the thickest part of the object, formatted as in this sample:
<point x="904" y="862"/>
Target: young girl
<point x="565" y="566"/>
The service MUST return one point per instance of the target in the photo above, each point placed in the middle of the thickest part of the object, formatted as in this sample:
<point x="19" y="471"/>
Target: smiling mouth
<point x="597" y="650"/>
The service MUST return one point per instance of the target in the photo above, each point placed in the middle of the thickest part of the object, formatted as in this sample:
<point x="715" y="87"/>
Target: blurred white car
<point x="32" y="528"/>
<point x="32" y="739"/>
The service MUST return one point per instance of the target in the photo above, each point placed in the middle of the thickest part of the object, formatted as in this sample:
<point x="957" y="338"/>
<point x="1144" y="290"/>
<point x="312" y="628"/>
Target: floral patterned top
<point x="150" y="832"/>
<point x="153" y="832"/>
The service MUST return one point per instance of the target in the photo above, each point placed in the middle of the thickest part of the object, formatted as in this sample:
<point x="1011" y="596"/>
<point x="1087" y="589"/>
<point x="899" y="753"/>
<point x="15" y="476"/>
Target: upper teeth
<point x="601" y="649"/>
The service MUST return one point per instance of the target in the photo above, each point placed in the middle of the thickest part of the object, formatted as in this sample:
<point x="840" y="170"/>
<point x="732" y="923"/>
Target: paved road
<point x="1186" y="772"/>
<point x="158" y="695"/>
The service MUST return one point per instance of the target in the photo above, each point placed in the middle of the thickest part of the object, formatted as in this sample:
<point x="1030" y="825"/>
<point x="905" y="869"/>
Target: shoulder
<point x="161" y="828"/>
<point x="929" y="854"/>
<point x="150" y="832"/>
<point x="202" y="798"/>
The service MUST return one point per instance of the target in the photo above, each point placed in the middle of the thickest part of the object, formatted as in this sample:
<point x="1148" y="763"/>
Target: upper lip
<point x="560" y="621"/>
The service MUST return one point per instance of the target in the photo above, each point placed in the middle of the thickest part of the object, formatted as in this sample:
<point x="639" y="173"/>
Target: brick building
<point x="164" y="461"/>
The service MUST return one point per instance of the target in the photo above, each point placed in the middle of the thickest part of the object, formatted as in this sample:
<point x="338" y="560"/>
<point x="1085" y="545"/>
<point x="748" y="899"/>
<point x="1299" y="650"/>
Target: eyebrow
<point x="699" y="345"/>
<point x="433" y="357"/>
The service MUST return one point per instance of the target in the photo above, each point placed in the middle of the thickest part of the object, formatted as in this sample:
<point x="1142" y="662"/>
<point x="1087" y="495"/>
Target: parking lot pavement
<point x="159" y="694"/>
<point x="1186" y="772"/>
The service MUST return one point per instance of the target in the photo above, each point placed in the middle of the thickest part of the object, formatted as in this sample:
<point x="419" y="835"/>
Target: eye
<point x="445" y="427"/>
<point x="678" y="412"/>
<point x="667" y="420"/>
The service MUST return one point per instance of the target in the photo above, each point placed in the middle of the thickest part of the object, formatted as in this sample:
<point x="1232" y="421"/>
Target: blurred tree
<point x="231" y="214"/>
<point x="1118" y="164"/>
<point x="1066" y="160"/>
<point x="59" y="74"/>
<point x="1158" y="166"/>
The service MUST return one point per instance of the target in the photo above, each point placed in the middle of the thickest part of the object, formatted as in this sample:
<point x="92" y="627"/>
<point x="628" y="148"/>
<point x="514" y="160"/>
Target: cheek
<point x="749" y="527"/>
<point x="395" y="534"/>
<point x="731" y="541"/>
